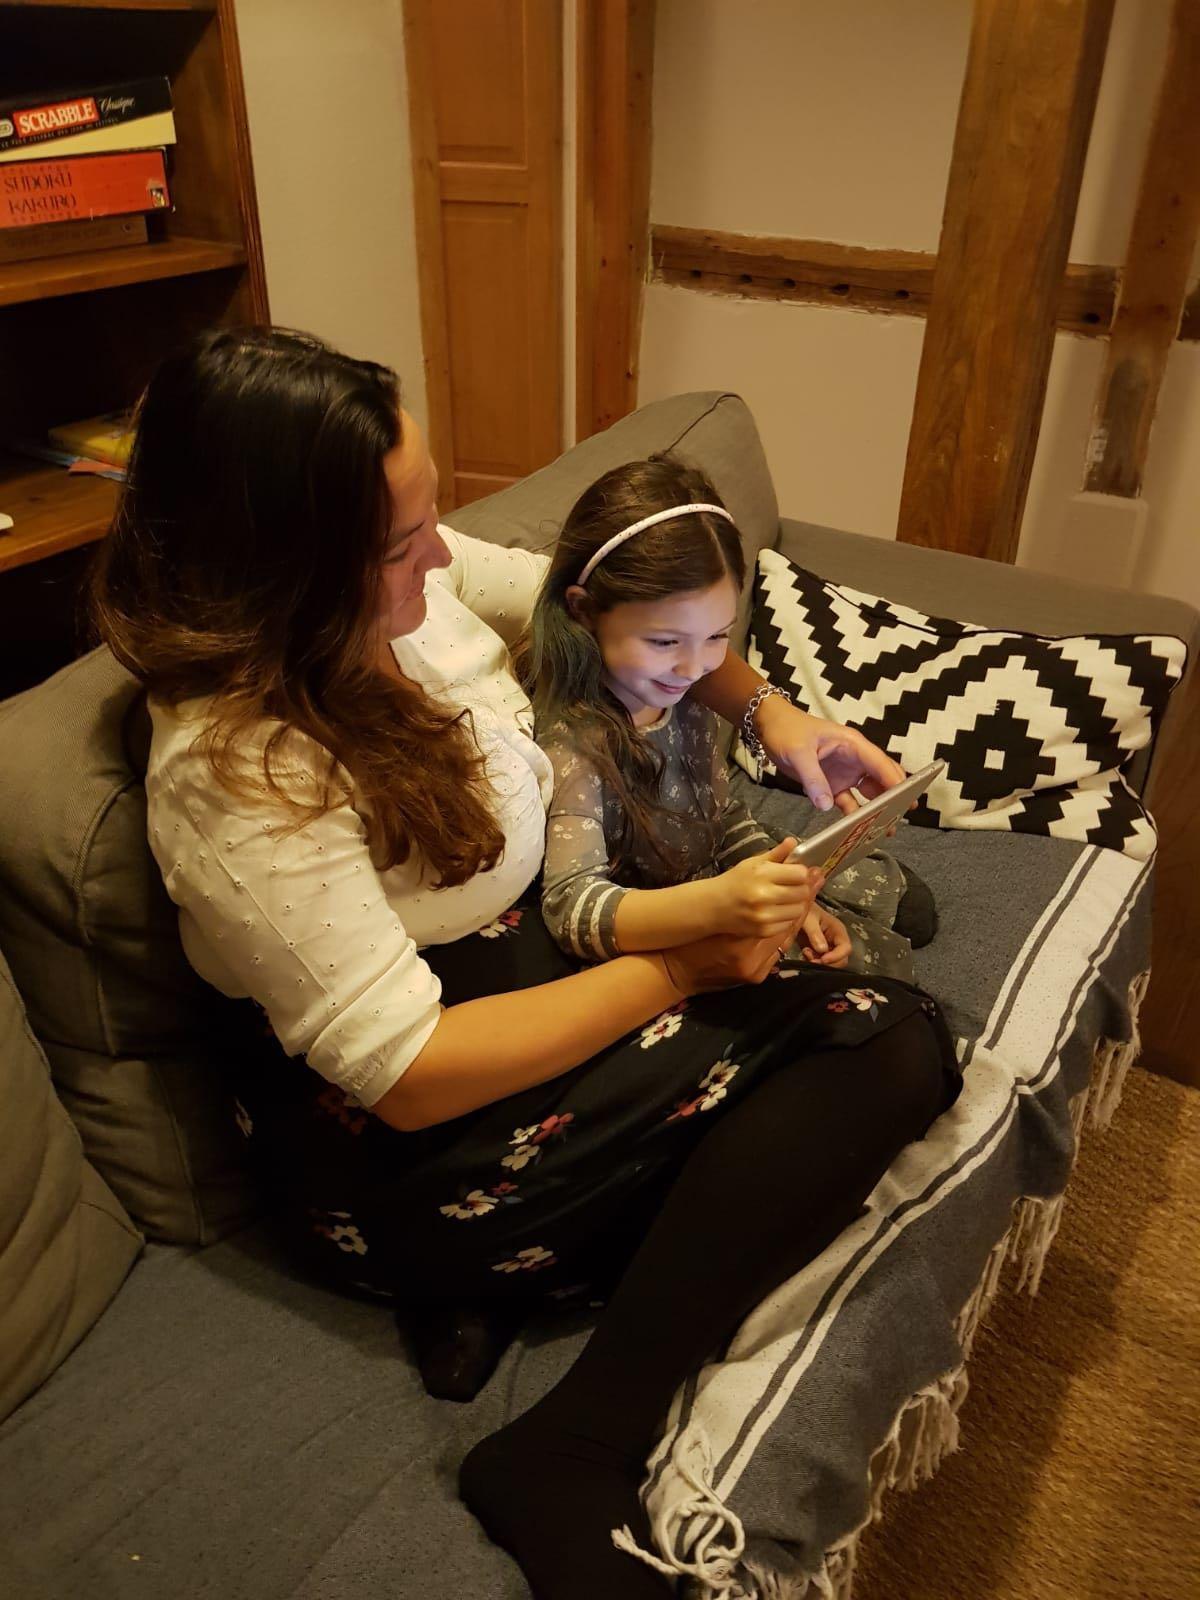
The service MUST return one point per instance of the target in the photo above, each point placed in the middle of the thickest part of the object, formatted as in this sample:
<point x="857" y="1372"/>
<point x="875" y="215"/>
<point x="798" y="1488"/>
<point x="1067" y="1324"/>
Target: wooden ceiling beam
<point x="1033" y="73"/>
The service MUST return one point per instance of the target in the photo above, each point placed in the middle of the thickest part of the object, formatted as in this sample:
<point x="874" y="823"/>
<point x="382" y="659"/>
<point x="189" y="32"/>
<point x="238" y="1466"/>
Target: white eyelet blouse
<point x="303" y="922"/>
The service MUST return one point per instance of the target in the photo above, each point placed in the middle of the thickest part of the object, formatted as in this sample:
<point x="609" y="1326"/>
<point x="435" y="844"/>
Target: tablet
<point x="850" y="838"/>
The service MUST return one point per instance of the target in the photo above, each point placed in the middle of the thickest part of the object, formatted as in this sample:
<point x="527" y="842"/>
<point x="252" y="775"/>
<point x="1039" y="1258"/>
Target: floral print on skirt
<point x="543" y="1187"/>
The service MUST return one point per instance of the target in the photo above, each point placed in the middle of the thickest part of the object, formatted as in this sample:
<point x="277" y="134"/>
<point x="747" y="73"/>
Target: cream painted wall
<point x="328" y="110"/>
<point x="836" y="122"/>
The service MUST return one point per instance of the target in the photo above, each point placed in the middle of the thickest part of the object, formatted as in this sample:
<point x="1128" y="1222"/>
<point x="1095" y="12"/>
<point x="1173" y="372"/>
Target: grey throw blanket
<point x="849" y="1377"/>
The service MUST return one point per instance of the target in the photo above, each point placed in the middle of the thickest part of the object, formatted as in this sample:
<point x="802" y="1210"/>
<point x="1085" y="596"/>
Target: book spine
<point x="78" y="188"/>
<point x="30" y="122"/>
<point x="45" y="239"/>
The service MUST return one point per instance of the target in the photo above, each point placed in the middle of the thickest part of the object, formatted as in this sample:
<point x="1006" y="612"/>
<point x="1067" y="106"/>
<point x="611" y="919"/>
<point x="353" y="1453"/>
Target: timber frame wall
<point x="993" y="297"/>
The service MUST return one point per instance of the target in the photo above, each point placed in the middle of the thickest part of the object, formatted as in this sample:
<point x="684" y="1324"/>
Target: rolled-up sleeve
<point x="499" y="585"/>
<point x="299" y="922"/>
<point x="579" y="898"/>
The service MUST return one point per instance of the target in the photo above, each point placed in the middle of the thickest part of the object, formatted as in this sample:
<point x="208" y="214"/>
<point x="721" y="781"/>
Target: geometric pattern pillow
<point x="1035" y="732"/>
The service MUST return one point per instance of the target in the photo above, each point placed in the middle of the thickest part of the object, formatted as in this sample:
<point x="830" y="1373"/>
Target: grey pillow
<point x="65" y="1240"/>
<point x="134" y="1039"/>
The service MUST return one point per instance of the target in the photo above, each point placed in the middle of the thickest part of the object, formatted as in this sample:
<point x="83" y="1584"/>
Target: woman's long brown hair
<point x="244" y="567"/>
<point x="559" y="659"/>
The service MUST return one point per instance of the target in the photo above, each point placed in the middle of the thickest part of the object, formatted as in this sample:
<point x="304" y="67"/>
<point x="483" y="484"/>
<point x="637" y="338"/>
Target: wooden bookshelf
<point x="23" y="281"/>
<point x="52" y="510"/>
<point x="81" y="334"/>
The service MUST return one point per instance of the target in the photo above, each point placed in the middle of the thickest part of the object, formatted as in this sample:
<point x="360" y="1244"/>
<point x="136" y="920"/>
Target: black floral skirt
<point x="549" y="1188"/>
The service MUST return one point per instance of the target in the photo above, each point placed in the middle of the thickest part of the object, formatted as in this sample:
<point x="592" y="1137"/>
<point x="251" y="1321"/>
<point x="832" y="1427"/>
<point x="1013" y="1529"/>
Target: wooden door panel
<point x="485" y="95"/>
<point x="478" y="80"/>
<point x="486" y="250"/>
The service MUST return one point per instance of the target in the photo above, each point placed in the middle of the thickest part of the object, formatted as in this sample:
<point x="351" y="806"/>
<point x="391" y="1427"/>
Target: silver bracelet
<point x="749" y="732"/>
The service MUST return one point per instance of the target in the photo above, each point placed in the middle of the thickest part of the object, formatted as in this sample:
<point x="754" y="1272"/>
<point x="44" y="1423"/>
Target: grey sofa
<point x="189" y="1418"/>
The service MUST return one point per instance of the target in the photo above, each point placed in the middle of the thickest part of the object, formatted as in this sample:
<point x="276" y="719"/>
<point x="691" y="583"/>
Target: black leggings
<point x="767" y="1188"/>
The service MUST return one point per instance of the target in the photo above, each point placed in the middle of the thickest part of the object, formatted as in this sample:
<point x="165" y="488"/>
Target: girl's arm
<point x="739" y="836"/>
<point x="588" y="915"/>
<point x="592" y="917"/>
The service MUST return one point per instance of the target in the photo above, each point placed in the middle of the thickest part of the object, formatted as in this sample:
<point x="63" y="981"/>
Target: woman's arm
<point x="484" y="1050"/>
<point x="499" y="585"/>
<point x="827" y="759"/>
<point x="299" y="921"/>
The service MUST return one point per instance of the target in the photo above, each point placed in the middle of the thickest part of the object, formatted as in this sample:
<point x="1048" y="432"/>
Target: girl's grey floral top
<point x="581" y="890"/>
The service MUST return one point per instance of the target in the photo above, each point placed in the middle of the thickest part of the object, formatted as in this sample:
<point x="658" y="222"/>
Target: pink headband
<point x="646" y="522"/>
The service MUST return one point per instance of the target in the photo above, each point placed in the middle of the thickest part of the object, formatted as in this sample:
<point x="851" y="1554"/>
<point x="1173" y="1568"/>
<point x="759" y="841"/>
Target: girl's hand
<point x="722" y="961"/>
<point x="827" y="759"/>
<point x="764" y="897"/>
<point x="826" y="941"/>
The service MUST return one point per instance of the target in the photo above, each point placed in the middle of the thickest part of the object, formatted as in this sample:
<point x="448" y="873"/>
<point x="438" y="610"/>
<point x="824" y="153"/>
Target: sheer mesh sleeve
<point x="579" y="898"/>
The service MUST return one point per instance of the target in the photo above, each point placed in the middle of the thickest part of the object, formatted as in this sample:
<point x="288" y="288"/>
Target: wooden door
<point x="485" y="103"/>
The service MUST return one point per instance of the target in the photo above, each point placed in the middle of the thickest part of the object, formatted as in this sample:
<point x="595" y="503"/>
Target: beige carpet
<point x="1079" y="1472"/>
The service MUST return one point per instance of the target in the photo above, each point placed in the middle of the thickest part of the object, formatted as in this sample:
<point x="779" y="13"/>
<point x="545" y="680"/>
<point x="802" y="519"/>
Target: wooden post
<point x="1033" y="71"/>
<point x="1154" y="282"/>
<point x="614" y="75"/>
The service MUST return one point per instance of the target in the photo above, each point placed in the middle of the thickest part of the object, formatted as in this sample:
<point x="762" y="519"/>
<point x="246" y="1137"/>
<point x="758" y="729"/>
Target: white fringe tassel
<point x="925" y="1430"/>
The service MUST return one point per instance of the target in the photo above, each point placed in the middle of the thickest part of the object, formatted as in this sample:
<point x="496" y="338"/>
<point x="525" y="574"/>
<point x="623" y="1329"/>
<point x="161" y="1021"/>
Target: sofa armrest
<point x="999" y="596"/>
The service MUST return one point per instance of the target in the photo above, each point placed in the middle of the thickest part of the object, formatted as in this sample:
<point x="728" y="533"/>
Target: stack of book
<point x="83" y="170"/>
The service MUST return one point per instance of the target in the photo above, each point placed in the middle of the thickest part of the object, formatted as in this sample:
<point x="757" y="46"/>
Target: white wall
<point x="328" y="111"/>
<point x="836" y="122"/>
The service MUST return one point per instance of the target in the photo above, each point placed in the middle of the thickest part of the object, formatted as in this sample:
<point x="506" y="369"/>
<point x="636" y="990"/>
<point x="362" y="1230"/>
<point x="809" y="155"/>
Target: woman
<point x="347" y="808"/>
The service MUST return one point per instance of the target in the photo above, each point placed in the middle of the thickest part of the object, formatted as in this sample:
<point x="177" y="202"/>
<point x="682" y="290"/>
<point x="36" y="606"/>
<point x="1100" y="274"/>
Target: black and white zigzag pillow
<point x="1035" y="731"/>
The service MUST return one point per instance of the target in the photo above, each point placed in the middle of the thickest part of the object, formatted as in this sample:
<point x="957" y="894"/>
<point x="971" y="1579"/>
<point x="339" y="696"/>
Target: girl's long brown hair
<point x="560" y="661"/>
<point x="244" y="566"/>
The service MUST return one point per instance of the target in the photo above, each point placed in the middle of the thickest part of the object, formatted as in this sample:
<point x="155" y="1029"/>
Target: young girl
<point x="646" y="848"/>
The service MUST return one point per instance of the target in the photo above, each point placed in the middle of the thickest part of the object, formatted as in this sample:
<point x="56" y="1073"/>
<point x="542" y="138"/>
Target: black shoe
<point x="916" y="915"/>
<point x="457" y="1345"/>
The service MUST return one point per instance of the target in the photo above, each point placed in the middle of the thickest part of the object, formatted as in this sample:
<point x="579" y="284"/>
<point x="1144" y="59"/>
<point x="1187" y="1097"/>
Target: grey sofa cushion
<point x="229" y="1433"/>
<point x="65" y="1241"/>
<point x="133" y="1037"/>
<point x="714" y="432"/>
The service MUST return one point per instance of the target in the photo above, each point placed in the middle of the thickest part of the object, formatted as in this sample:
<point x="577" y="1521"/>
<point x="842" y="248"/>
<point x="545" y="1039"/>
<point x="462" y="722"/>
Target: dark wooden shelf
<point x="23" y="281"/>
<point x="52" y="509"/>
<point x="110" y="5"/>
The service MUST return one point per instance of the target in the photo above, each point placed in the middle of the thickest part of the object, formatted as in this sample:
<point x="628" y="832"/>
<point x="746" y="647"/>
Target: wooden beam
<point x="427" y="215"/>
<point x="1189" y="328"/>
<point x="1154" y="283"/>
<point x="1170" y="1020"/>
<point x="614" y="74"/>
<point x="822" y="272"/>
<point x="1033" y="71"/>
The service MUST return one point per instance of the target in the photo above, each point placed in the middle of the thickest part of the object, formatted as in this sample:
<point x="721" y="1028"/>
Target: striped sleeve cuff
<point x="744" y="839"/>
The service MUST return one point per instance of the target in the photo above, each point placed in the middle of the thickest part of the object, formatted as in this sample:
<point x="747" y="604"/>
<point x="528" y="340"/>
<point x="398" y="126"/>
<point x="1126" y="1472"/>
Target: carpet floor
<point x="1079" y="1472"/>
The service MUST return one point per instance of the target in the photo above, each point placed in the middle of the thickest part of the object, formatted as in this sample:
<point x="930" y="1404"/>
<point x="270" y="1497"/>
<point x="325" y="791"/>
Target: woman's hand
<point x="827" y="759"/>
<point x="826" y="941"/>
<point x="723" y="960"/>
<point x="763" y="897"/>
